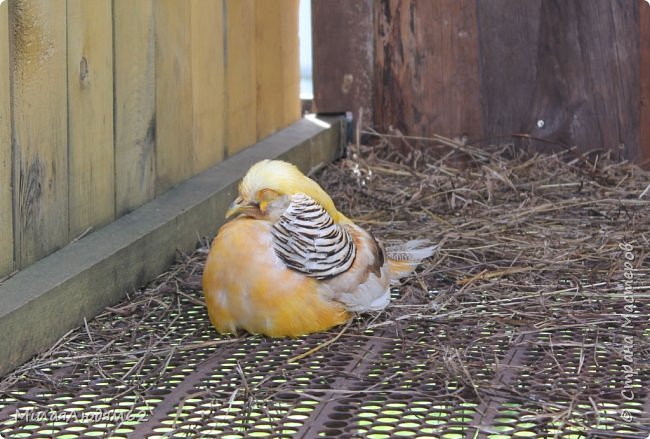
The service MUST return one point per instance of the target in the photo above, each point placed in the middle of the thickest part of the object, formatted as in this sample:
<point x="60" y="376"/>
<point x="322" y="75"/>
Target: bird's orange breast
<point x="246" y="286"/>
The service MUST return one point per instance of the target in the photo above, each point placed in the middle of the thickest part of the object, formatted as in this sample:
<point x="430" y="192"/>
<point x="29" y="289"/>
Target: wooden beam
<point x="208" y="84"/>
<point x="587" y="86"/>
<point x="241" y="82"/>
<point x="54" y="295"/>
<point x="427" y="63"/>
<point x="37" y="38"/>
<point x="135" y="105"/>
<point x="277" y="69"/>
<point x="174" y="112"/>
<point x="90" y="115"/>
<point x="343" y="56"/>
<point x="290" y="48"/>
<point x="269" y="78"/>
<point x="508" y="41"/>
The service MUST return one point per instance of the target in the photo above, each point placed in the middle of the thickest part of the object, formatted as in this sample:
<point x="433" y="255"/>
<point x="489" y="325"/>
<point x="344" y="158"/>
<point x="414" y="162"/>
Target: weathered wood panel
<point x="426" y="54"/>
<point x="208" y="83"/>
<point x="105" y="104"/>
<point x="644" y="77"/>
<point x="587" y="88"/>
<point x="6" y="216"/>
<point x="135" y="116"/>
<point x="276" y="39"/>
<point x="39" y="112"/>
<point x="343" y="56"/>
<point x="241" y="74"/>
<point x="567" y="71"/>
<point x="290" y="62"/>
<point x="90" y="115"/>
<point x="509" y="38"/>
<point x="174" y="126"/>
<point x="270" y="82"/>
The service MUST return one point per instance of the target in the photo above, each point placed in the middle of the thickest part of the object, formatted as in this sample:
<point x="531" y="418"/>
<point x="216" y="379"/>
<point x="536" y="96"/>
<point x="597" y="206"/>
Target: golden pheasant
<point x="289" y="263"/>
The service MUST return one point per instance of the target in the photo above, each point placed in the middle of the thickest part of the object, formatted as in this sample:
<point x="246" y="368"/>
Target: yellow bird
<point x="289" y="263"/>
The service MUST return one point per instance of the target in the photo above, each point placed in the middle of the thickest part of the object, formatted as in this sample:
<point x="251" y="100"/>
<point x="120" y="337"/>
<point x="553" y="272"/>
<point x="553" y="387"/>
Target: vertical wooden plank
<point x="508" y="41"/>
<point x="343" y="56"/>
<point x="268" y="67"/>
<point x="135" y="113"/>
<point x="90" y="114"/>
<point x="290" y="65"/>
<point x="174" y="126"/>
<point x="644" y="76"/>
<point x="208" y="83"/>
<point x="240" y="74"/>
<point x="38" y="86"/>
<point x="587" y="88"/>
<point x="6" y="216"/>
<point x="427" y="63"/>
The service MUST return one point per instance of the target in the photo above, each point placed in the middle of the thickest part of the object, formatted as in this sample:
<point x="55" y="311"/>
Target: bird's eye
<point x="266" y="196"/>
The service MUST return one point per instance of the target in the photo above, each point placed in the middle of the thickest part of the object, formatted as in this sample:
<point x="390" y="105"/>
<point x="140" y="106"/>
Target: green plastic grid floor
<point x="520" y="327"/>
<point x="417" y="378"/>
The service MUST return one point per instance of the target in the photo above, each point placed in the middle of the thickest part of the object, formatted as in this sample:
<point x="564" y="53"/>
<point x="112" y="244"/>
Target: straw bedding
<point x="532" y="316"/>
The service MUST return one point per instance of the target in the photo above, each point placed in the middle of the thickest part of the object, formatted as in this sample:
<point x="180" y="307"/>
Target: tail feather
<point x="405" y="257"/>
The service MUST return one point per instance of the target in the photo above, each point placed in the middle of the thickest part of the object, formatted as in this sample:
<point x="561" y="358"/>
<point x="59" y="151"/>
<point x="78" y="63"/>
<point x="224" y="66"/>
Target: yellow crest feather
<point x="286" y="179"/>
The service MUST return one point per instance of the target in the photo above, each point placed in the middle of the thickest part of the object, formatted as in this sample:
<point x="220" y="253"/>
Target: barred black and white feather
<point x="307" y="240"/>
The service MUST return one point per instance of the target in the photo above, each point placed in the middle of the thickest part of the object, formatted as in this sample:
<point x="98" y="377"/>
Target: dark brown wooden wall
<point x="571" y="72"/>
<point x="644" y="76"/>
<point x="343" y="55"/>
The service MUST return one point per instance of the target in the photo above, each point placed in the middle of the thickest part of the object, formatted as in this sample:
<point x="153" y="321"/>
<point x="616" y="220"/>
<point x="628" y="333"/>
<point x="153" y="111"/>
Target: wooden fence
<point x="568" y="72"/>
<point x="105" y="104"/>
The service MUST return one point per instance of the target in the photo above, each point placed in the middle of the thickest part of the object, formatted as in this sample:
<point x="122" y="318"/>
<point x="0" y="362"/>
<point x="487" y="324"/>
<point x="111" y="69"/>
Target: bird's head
<point x="265" y="190"/>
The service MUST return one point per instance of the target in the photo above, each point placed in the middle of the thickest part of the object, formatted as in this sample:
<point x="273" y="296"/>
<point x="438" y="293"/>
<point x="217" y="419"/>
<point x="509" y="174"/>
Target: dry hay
<point x="524" y="321"/>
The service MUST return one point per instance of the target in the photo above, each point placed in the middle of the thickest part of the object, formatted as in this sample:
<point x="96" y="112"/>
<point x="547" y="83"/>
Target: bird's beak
<point x="240" y="206"/>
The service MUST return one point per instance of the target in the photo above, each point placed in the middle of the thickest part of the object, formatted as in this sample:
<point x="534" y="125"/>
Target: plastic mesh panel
<point x="383" y="382"/>
<point x="520" y="327"/>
